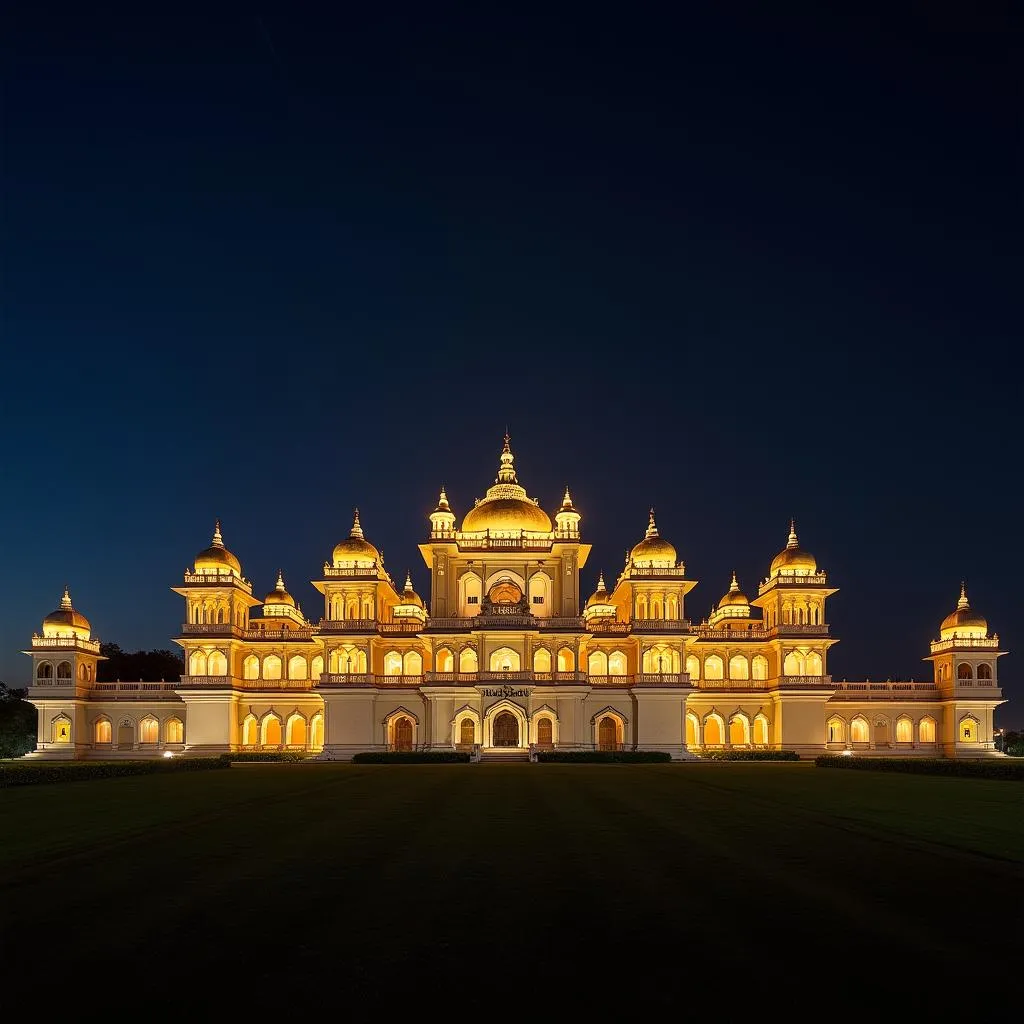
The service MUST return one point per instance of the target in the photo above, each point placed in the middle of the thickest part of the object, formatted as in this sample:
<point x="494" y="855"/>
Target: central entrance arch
<point x="506" y="730"/>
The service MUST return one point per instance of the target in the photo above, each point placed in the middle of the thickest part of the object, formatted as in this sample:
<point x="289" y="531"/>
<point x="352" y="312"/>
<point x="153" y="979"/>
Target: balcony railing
<point x="608" y="626"/>
<point x="220" y="682"/>
<point x="887" y="690"/>
<point x="984" y="643"/>
<point x="350" y="570"/>
<point x="299" y="633"/>
<point x="656" y="570"/>
<point x="74" y="643"/>
<point x="818" y="579"/>
<point x="223" y="579"/>
<point x="135" y="691"/>
<point x="412" y="626"/>
<point x="661" y="679"/>
<point x="804" y="680"/>
<point x="483" y="541"/>
<point x="348" y="626"/>
<point x="450" y="677"/>
<point x="560" y="677"/>
<point x="506" y="676"/>
<point x="732" y="684"/>
<point x="714" y="633"/>
<point x="561" y="622"/>
<point x="212" y="628"/>
<point x="798" y="629"/>
<point x="369" y="679"/>
<point x="660" y="626"/>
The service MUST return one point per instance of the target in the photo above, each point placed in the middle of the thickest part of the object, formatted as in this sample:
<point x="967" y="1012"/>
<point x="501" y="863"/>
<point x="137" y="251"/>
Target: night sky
<point x="270" y="269"/>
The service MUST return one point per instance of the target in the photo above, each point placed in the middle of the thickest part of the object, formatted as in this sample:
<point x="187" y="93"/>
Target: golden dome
<point x="65" y="619"/>
<point x="355" y="548"/>
<point x="408" y="595"/>
<point x="279" y="595"/>
<point x="216" y="557"/>
<point x="792" y="560"/>
<point x="506" y="508"/>
<point x="733" y="596"/>
<point x="599" y="596"/>
<point x="962" y="620"/>
<point x="653" y="549"/>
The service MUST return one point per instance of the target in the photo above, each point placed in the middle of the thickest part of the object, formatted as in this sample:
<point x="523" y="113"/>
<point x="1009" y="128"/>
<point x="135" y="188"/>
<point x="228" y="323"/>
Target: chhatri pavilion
<point x="508" y="656"/>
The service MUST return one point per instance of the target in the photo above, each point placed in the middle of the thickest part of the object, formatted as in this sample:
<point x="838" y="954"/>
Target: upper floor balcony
<point x="211" y="629"/>
<point x="135" y="691"/>
<point x="341" y="626"/>
<point x="299" y="634"/>
<point x="755" y="632"/>
<point x="977" y="643"/>
<point x="660" y="625"/>
<point x="66" y="643"/>
<point x="792" y="580"/>
<point x="354" y="570"/>
<point x="797" y="629"/>
<point x="512" y="540"/>
<point x="217" y="579"/>
<point x="887" y="690"/>
<point x="657" y="570"/>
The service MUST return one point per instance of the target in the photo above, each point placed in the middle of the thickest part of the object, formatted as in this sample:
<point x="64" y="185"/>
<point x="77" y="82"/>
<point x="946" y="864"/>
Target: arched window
<point x="969" y="732"/>
<point x="904" y="730"/>
<point x="566" y="660"/>
<point x="44" y="670"/>
<point x="217" y="664"/>
<point x="250" y="731"/>
<point x="316" y="729"/>
<point x="296" y="732"/>
<point x="660" y="659"/>
<point x="794" y="665"/>
<point x="444" y="661"/>
<point x="541" y="660"/>
<point x="759" y="667"/>
<point x="504" y="659"/>
<point x="471" y="589"/>
<point x="61" y="729"/>
<point x="692" y="730"/>
<point x="174" y="731"/>
<point x="984" y="671"/>
<point x="616" y="664"/>
<point x="271" y="731"/>
<point x="64" y="670"/>
<point x="713" y="731"/>
<point x="713" y="668"/>
<point x="859" y="730"/>
<point x="540" y="594"/>
<point x="467" y="732"/>
<point x="739" y="731"/>
<point x="402" y="730"/>
<point x="412" y="663"/>
<point x="467" y="660"/>
<point x="836" y="730"/>
<point x="271" y="668"/>
<point x="81" y="671"/>
<point x="963" y="671"/>
<point x="656" y="607"/>
<point x="102" y="731"/>
<point x="197" y="663"/>
<point x="220" y="615"/>
<point x="926" y="730"/>
<point x="761" y="731"/>
<point x="317" y="667"/>
<point x="739" y="667"/>
<point x="607" y="733"/>
<point x="671" y="607"/>
<point x="251" y="667"/>
<point x="297" y="667"/>
<point x="693" y="667"/>
<point x="812" y="665"/>
<point x="367" y="607"/>
<point x="392" y="663"/>
<point x="149" y="730"/>
<point x="597" y="663"/>
<point x="352" y="607"/>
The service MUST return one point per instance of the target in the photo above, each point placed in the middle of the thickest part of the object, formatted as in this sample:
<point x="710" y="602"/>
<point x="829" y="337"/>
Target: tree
<point x="144" y="666"/>
<point x="17" y="723"/>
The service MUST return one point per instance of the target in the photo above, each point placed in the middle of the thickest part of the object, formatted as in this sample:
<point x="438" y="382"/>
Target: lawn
<point x="486" y="890"/>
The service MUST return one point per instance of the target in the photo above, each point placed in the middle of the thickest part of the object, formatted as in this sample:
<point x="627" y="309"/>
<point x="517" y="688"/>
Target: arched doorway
<point x="606" y="734"/>
<point x="544" y="733"/>
<point x="505" y="730"/>
<point x="467" y="732"/>
<point x="403" y="734"/>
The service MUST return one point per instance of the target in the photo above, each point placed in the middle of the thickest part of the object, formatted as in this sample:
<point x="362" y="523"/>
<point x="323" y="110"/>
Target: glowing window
<point x="271" y="731"/>
<point x="149" y="731"/>
<point x="566" y="660"/>
<point x="412" y="663"/>
<point x="544" y="732"/>
<point x="504" y="659"/>
<point x="759" y="667"/>
<point x="197" y="663"/>
<point x="693" y="666"/>
<point x="761" y="730"/>
<point x="836" y="730"/>
<point x="467" y="660"/>
<point x="251" y="667"/>
<point x="738" y="667"/>
<point x="597" y="663"/>
<point x="218" y="664"/>
<point x="859" y="730"/>
<point x="271" y="668"/>
<point x="738" y="731"/>
<point x="713" y="669"/>
<point x="968" y="730"/>
<point x="467" y="732"/>
<point x="444" y="660"/>
<point x="813" y="664"/>
<point x="541" y="660"/>
<point x="616" y="664"/>
<point x="713" y="731"/>
<point x="963" y="671"/>
<point x="926" y="730"/>
<point x="317" y="668"/>
<point x="691" y="731"/>
<point x="392" y="664"/>
<point x="904" y="730"/>
<point x="174" y="731"/>
<point x="297" y="667"/>
<point x="104" y="732"/>
<point x="317" y="732"/>
<point x="297" y="730"/>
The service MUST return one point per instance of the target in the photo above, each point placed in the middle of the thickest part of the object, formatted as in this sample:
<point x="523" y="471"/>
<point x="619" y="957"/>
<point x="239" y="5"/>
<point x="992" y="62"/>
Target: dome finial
<point x="218" y="540"/>
<point x="442" y="502"/>
<point x="357" y="530"/>
<point x="652" y="526"/>
<point x="567" y="500"/>
<point x="65" y="601"/>
<point x="600" y="581"/>
<point x="962" y="603"/>
<point x="792" y="542"/>
<point x="280" y="581"/>
<point x="408" y="581"/>
<point x="506" y="469"/>
<point x="734" y="586"/>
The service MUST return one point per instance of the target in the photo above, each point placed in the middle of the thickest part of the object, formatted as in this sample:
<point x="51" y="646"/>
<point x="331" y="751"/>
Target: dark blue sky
<point x="270" y="269"/>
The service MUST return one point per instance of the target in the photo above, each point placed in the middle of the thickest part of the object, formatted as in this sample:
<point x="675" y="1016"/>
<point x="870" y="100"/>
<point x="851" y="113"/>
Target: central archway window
<point x="738" y="667"/>
<point x="412" y="663"/>
<point x="597" y="663"/>
<point x="392" y="663"/>
<point x="444" y="660"/>
<point x="541" y="660"/>
<point x="467" y="660"/>
<point x="271" y="668"/>
<point x="297" y="667"/>
<point x="616" y="664"/>
<point x="713" y="669"/>
<point x="566" y="660"/>
<point x="504" y="659"/>
<point x="505" y="730"/>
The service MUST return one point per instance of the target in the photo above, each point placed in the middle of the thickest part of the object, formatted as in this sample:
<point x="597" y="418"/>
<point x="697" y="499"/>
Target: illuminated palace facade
<point x="504" y="660"/>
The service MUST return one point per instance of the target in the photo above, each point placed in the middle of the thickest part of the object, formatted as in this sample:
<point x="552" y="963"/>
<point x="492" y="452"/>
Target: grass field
<point x="569" y="885"/>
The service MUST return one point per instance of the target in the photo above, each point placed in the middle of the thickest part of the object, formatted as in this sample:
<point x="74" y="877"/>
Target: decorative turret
<point x="410" y="604"/>
<point x="599" y="604"/>
<point x="567" y="519"/>
<point x="734" y="604"/>
<point x="653" y="551"/>
<point x="442" y="519"/>
<point x="506" y="510"/>
<point x="65" y="621"/>
<point x="792" y="560"/>
<point x="355" y="550"/>
<point x="962" y="621"/>
<point x="216" y="560"/>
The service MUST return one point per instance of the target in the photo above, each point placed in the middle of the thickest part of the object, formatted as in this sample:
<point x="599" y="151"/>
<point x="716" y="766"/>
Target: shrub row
<point x="410" y="757"/>
<point x="265" y="755"/>
<point x="981" y="769"/>
<point x="751" y="755"/>
<point x="36" y="773"/>
<point x="604" y="756"/>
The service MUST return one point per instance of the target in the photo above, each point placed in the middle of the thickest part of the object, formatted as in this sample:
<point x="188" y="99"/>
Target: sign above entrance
<point x="505" y="691"/>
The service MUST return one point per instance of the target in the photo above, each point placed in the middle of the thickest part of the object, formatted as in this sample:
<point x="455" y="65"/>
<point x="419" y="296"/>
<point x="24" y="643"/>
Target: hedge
<point x="411" y="757"/>
<point x="604" y="756"/>
<point x="36" y="773"/>
<point x="750" y="755"/>
<point x="969" y="769"/>
<point x="268" y="755"/>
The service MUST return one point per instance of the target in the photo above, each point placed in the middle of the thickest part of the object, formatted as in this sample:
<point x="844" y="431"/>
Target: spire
<point x="567" y="500"/>
<point x="357" y="530"/>
<point x="652" y="526"/>
<point x="734" y="587"/>
<point x="506" y="469"/>
<point x="962" y="603"/>
<point x="792" y="542"/>
<point x="280" y="582"/>
<point x="600" y="582"/>
<point x="408" y="581"/>
<point x="65" y="601"/>
<point x="218" y="540"/>
<point x="442" y="502"/>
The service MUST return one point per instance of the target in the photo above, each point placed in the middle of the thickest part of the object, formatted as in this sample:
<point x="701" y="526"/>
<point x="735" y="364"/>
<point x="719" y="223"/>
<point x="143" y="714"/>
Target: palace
<point x="505" y="661"/>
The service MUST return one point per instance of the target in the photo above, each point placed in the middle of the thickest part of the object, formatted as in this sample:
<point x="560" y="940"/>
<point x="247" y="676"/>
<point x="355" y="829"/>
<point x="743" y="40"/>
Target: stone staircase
<point x="500" y="756"/>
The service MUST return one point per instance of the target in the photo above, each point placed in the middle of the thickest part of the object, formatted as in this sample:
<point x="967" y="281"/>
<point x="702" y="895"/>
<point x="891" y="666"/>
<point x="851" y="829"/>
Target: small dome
<point x="733" y="596"/>
<point x="601" y="595"/>
<point x="355" y="548"/>
<point x="408" y="595"/>
<point x="216" y="558"/>
<point x="962" y="621"/>
<point x="64" y="620"/>
<point x="505" y="507"/>
<point x="279" y="595"/>
<point x="653" y="549"/>
<point x="792" y="560"/>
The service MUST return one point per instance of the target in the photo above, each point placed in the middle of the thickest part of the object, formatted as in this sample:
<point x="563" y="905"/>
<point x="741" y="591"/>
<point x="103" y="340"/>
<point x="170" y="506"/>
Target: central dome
<point x="653" y="550"/>
<point x="506" y="508"/>
<point x="65" y="621"/>
<point x="355" y="549"/>
<point x="792" y="560"/>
